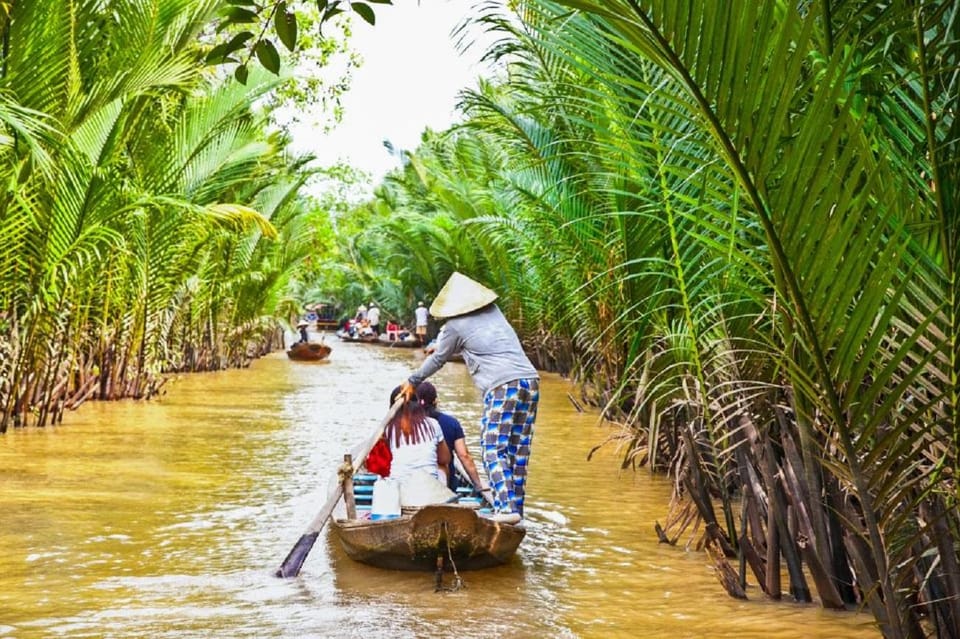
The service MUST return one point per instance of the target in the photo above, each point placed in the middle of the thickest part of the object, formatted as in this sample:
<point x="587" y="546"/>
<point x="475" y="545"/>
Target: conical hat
<point x="460" y="295"/>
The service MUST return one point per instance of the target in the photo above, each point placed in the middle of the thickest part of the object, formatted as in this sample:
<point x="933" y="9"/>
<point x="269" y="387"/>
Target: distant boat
<point x="409" y="342"/>
<point x="323" y="315"/>
<point x="348" y="337"/>
<point x="308" y="351"/>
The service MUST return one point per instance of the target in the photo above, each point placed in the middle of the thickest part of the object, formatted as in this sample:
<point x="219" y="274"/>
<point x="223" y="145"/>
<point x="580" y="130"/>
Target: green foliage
<point x="151" y="223"/>
<point x="314" y="72"/>
<point x="733" y="224"/>
<point x="283" y="17"/>
<point x="285" y="24"/>
<point x="268" y="56"/>
<point x="740" y="220"/>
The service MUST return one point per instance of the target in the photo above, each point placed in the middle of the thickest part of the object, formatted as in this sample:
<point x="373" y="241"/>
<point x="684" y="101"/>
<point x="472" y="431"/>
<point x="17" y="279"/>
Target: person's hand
<point x="408" y="391"/>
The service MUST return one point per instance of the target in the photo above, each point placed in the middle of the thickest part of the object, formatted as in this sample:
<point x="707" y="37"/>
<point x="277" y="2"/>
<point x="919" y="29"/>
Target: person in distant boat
<point x="453" y="435"/>
<point x="421" y="323"/>
<point x="364" y="330"/>
<point x="302" y="327"/>
<point x="416" y="441"/>
<point x="361" y="313"/>
<point x="373" y="318"/>
<point x="393" y="330"/>
<point x="501" y="370"/>
<point x="355" y="326"/>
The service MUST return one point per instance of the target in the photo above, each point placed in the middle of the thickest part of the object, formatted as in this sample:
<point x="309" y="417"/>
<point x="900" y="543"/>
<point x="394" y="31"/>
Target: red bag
<point x="378" y="461"/>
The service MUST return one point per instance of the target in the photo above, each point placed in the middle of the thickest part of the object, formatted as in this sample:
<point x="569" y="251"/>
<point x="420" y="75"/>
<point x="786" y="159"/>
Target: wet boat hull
<point x="398" y="343"/>
<point x="417" y="539"/>
<point x="347" y="337"/>
<point x="308" y="352"/>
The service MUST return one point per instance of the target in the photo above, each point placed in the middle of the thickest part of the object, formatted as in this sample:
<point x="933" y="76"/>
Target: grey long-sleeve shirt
<point x="490" y="347"/>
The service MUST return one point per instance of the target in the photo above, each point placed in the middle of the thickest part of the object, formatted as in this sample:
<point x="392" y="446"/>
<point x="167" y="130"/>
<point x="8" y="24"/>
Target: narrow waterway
<point x="167" y="518"/>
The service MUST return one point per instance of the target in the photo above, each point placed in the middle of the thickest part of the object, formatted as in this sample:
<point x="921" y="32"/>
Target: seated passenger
<point x="418" y="448"/>
<point x="393" y="331"/>
<point x="453" y="435"/>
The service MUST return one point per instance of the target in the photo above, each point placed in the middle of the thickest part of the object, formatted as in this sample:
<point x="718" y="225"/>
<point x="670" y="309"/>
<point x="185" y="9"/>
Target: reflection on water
<point x="167" y="518"/>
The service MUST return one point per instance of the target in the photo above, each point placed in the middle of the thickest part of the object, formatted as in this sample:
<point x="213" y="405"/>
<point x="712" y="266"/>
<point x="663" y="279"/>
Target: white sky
<point x="409" y="80"/>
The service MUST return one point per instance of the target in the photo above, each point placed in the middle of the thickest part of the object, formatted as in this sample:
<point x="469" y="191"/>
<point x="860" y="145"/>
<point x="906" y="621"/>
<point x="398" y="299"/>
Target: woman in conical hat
<point x="510" y="384"/>
<point x="302" y="328"/>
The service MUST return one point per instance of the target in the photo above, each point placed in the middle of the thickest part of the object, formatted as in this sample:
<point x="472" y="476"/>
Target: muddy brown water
<point x="167" y="518"/>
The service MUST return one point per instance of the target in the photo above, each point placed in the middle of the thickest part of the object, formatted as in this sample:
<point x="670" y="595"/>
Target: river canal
<point x="167" y="518"/>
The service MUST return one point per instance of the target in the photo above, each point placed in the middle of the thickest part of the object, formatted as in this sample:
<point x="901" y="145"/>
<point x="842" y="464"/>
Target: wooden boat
<point x="411" y="342"/>
<point x="451" y="536"/>
<point x="308" y="351"/>
<point x="323" y="315"/>
<point x="425" y="537"/>
<point x="347" y="337"/>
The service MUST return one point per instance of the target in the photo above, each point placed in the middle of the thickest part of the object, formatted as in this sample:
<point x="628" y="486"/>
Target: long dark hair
<point x="409" y="425"/>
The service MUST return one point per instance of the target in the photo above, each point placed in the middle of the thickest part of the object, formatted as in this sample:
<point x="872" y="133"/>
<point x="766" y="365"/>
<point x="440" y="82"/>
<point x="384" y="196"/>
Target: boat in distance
<point x="308" y="351"/>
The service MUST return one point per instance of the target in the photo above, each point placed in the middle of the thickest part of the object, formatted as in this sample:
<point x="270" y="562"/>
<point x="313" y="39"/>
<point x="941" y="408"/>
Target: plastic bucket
<point x="386" y="499"/>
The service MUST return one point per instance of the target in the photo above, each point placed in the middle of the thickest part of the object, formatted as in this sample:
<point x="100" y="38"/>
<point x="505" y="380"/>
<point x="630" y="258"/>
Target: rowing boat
<point x="346" y="336"/>
<point x="409" y="342"/>
<point x="308" y="351"/>
<point x="456" y="536"/>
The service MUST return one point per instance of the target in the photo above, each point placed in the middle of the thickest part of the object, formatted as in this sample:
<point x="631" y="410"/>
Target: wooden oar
<point x="298" y="554"/>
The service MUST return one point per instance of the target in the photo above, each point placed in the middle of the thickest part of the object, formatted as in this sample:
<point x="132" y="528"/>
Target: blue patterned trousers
<point x="506" y="432"/>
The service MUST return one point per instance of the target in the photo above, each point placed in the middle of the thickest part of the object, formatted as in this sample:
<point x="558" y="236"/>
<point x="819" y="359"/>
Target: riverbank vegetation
<point x="151" y="219"/>
<point x="734" y="227"/>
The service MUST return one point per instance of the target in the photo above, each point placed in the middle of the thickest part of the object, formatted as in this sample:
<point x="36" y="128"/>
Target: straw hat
<point x="302" y="323"/>
<point x="459" y="296"/>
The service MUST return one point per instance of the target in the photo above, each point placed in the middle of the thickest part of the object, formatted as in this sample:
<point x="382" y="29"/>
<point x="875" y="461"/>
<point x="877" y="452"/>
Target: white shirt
<point x="373" y="315"/>
<point x="421" y="314"/>
<point x="408" y="458"/>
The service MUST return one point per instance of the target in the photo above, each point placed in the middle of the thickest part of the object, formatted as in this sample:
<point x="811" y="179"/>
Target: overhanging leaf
<point x="241" y="73"/>
<point x="220" y="53"/>
<point x="269" y="57"/>
<point x="365" y="11"/>
<point x="285" y="23"/>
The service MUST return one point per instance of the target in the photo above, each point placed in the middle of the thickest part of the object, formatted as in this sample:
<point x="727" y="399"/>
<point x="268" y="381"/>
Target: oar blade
<point x="298" y="554"/>
<point x="294" y="561"/>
